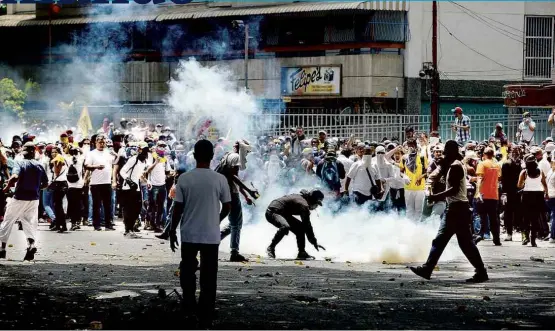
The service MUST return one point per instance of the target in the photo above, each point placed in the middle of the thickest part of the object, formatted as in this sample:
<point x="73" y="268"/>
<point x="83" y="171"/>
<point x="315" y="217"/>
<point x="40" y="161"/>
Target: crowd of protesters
<point x="131" y="172"/>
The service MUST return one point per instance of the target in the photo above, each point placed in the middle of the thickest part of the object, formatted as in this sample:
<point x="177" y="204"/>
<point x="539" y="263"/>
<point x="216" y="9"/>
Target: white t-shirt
<point x="158" y="174"/>
<point x="359" y="177"/>
<point x="135" y="175"/>
<point x="79" y="167"/>
<point x="201" y="191"/>
<point x="527" y="134"/>
<point x="105" y="158"/>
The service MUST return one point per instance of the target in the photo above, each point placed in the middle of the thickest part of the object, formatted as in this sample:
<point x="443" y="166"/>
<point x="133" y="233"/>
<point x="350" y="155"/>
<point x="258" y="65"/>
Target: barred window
<point x="538" y="47"/>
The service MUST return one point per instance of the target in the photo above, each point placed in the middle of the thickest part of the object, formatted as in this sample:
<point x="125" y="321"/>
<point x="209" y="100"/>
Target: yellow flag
<point x="84" y="124"/>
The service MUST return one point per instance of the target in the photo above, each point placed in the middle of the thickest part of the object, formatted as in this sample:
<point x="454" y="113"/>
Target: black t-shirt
<point x="510" y="171"/>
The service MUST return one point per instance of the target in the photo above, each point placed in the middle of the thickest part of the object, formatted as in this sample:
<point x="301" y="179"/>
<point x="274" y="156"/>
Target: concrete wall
<point x="459" y="62"/>
<point x="363" y="76"/>
<point x="20" y="8"/>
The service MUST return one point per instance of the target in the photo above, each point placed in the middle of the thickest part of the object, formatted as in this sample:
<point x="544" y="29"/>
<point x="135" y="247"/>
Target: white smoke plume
<point x="354" y="234"/>
<point x="211" y="93"/>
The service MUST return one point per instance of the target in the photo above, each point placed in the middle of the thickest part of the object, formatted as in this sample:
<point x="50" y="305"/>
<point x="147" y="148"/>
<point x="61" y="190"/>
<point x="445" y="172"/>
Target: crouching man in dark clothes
<point x="280" y="214"/>
<point x="456" y="219"/>
<point x="198" y="195"/>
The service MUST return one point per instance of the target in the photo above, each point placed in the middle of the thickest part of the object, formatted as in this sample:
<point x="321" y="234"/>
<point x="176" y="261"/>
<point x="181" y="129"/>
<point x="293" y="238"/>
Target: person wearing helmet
<point x="281" y="213"/>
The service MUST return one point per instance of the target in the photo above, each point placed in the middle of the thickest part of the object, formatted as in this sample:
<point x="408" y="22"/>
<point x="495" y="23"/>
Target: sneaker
<point x="546" y="238"/>
<point x="75" y="227"/>
<point x="158" y="230"/>
<point x="20" y="226"/>
<point x="86" y="223"/>
<point x="422" y="272"/>
<point x="509" y="237"/>
<point x="30" y="255"/>
<point x="271" y="251"/>
<point x="525" y="242"/>
<point x="477" y="239"/>
<point x="163" y="236"/>
<point x="478" y="277"/>
<point x="97" y="228"/>
<point x="552" y="241"/>
<point x="487" y="236"/>
<point x="534" y="244"/>
<point x="110" y="228"/>
<point x="304" y="256"/>
<point x="62" y="230"/>
<point x="236" y="257"/>
<point x="2" y="254"/>
<point x="133" y="235"/>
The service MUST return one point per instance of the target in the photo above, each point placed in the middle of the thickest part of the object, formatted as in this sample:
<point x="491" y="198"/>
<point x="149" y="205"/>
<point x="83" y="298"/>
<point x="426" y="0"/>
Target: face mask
<point x="313" y="206"/>
<point x="367" y="160"/>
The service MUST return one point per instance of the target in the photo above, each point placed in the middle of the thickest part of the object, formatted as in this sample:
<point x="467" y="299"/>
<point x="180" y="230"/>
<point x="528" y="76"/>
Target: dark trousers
<point x="157" y="203"/>
<point x="534" y="204"/>
<point x="286" y="223"/>
<point x="397" y="203"/>
<point x="455" y="221"/>
<point x="208" y="278"/>
<point x="102" y="197"/>
<point x="131" y="203"/>
<point x="360" y="198"/>
<point x="77" y="204"/>
<point x="488" y="211"/>
<point x="58" y="200"/>
<point x="3" y="202"/>
<point x="513" y="215"/>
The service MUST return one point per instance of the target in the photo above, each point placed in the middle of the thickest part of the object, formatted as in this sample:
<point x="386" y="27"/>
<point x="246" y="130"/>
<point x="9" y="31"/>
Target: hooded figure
<point x="281" y="214"/>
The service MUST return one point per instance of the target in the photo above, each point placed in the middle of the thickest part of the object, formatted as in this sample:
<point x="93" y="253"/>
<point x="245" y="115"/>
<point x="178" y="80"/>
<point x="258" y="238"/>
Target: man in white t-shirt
<point x="198" y="195"/>
<point x="158" y="171"/>
<point x="526" y="129"/>
<point x="365" y="179"/>
<point x="99" y="162"/>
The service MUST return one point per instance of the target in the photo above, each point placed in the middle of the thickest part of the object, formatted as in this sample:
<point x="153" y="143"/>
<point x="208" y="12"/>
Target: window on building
<point x="538" y="47"/>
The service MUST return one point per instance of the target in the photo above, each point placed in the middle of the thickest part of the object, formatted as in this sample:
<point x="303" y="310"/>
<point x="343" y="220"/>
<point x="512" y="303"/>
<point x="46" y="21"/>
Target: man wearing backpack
<point x="331" y="172"/>
<point x="229" y="166"/>
<point x="77" y="196"/>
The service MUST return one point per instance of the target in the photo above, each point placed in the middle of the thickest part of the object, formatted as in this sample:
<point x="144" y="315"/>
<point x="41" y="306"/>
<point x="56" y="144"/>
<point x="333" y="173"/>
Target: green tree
<point x="12" y="98"/>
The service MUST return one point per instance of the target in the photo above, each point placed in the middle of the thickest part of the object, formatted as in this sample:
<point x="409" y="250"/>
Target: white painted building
<point x="484" y="40"/>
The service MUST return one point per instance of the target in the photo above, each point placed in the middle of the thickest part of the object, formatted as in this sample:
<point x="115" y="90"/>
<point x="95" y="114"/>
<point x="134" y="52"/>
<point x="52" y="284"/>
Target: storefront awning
<point x="199" y="11"/>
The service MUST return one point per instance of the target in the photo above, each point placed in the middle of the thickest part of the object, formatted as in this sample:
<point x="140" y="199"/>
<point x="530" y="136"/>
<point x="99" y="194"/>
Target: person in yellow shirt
<point x="414" y="166"/>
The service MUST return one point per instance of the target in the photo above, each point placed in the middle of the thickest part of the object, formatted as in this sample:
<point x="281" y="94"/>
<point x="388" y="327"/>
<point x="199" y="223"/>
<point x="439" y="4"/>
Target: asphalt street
<point x="88" y="279"/>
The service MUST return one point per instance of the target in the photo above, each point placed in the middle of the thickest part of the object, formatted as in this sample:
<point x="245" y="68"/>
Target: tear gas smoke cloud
<point x="211" y="93"/>
<point x="354" y="234"/>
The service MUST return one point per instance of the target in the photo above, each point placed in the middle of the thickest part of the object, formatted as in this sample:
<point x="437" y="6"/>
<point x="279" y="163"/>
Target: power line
<point x="474" y="50"/>
<point x="476" y="16"/>
<point x="470" y="10"/>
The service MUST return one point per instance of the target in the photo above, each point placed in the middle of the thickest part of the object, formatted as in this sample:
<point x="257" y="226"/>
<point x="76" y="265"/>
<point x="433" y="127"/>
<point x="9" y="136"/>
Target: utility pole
<point x="435" y="73"/>
<point x="246" y="56"/>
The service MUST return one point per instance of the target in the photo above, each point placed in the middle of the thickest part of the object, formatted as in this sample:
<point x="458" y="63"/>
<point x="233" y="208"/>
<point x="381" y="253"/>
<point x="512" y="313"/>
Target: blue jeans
<point x="144" y="205"/>
<point x="235" y="223"/>
<point x="551" y="204"/>
<point x="48" y="203"/>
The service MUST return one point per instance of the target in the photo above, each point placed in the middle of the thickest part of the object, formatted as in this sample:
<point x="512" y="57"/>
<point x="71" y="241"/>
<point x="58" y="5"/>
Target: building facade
<point x="360" y="56"/>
